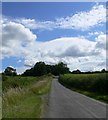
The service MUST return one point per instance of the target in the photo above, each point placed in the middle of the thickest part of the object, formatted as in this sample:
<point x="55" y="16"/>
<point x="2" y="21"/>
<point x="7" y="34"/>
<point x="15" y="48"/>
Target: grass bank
<point x="22" y="96"/>
<point x="92" y="85"/>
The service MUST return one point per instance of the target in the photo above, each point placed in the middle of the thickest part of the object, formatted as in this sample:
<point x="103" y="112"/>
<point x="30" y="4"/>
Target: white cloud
<point x="92" y="64"/>
<point x="35" y="24"/>
<point x="19" y="61"/>
<point x="95" y="33"/>
<point x="76" y="52"/>
<point x="15" y="38"/>
<point x="20" y="70"/>
<point x="82" y="20"/>
<point x="101" y="41"/>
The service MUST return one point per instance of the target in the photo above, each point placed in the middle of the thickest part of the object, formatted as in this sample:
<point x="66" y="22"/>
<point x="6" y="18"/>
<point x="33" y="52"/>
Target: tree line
<point x="40" y="68"/>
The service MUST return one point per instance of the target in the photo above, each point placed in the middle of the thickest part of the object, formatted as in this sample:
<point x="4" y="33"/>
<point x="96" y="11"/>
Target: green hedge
<point x="88" y="82"/>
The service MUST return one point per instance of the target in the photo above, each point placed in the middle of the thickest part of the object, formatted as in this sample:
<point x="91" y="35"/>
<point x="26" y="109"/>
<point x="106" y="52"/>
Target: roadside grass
<point x="92" y="85"/>
<point x="17" y="81"/>
<point x="0" y="107"/>
<point x="0" y="97"/>
<point x="97" y="96"/>
<point x="25" y="101"/>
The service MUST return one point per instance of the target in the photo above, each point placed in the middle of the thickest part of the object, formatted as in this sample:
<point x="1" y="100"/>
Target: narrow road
<point x="64" y="103"/>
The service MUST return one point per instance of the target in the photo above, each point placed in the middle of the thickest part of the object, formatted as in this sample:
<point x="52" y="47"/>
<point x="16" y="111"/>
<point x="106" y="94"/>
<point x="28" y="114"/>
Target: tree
<point x="60" y="68"/>
<point x="103" y="70"/>
<point x="48" y="68"/>
<point x="10" y="71"/>
<point x="28" y="72"/>
<point x="77" y="71"/>
<point x="39" y="69"/>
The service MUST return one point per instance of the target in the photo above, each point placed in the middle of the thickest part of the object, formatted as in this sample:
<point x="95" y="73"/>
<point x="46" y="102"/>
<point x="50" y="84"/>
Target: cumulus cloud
<point x="76" y="52"/>
<point x="101" y="41"/>
<point x="15" y="38"/>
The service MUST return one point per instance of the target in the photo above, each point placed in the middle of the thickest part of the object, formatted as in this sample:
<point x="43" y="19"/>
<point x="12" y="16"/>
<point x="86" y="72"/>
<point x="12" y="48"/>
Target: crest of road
<point x="65" y="103"/>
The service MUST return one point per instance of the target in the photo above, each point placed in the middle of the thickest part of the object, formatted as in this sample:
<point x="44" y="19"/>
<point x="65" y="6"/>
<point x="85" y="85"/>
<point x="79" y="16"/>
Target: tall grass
<point x="25" y="101"/>
<point x="17" y="81"/>
<point x="90" y="84"/>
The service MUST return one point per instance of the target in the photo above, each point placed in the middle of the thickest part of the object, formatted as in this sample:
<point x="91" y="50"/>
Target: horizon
<point x="72" y="33"/>
<point x="56" y="64"/>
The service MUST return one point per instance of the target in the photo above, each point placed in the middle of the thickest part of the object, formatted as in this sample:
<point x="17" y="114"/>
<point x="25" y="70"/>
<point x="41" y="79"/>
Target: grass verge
<point x="25" y="101"/>
<point x="97" y="96"/>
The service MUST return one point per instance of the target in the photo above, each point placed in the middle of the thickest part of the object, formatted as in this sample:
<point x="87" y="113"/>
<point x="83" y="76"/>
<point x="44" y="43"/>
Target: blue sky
<point x="44" y="11"/>
<point x="54" y="32"/>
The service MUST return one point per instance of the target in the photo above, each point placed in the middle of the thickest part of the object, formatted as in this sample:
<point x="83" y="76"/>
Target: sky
<point x="69" y="32"/>
<point x="54" y="0"/>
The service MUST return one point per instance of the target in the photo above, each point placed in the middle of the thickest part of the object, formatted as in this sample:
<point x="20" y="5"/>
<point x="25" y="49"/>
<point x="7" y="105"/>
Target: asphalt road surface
<point x="64" y="103"/>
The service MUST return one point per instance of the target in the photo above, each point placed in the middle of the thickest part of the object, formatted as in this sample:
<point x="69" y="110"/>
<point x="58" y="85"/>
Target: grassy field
<point x="22" y="96"/>
<point x="93" y="85"/>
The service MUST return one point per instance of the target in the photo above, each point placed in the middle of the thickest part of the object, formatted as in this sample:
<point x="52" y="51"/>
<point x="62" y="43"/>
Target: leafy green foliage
<point x="17" y="81"/>
<point x="40" y="68"/>
<point x="93" y="85"/>
<point x="60" y="68"/>
<point x="89" y="82"/>
<point x="10" y="71"/>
